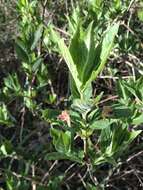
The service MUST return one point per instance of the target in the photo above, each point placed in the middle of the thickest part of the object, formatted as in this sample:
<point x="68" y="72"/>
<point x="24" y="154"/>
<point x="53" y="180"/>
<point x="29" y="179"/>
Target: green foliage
<point x="41" y="132"/>
<point x="86" y="58"/>
<point x="61" y="140"/>
<point x="12" y="85"/>
<point x="5" y="117"/>
<point x="140" y="12"/>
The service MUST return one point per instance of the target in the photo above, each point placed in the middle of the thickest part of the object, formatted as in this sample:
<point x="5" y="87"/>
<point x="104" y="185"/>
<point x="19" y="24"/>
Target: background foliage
<point x="71" y="94"/>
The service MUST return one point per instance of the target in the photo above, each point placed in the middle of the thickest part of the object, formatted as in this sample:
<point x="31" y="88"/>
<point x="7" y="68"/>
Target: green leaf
<point x="140" y="13"/>
<point x="66" y="140"/>
<point x="90" y="46"/>
<point x="101" y="124"/>
<point x="78" y="50"/>
<point x="71" y="65"/>
<point x="122" y="112"/>
<point x="68" y="59"/>
<point x="121" y="138"/>
<point x="50" y="114"/>
<point x="6" y="148"/>
<point x="121" y="90"/>
<point x="120" y="134"/>
<point x="131" y="89"/>
<point x="12" y="83"/>
<point x="61" y="140"/>
<point x="73" y="88"/>
<point x="82" y="48"/>
<point x="103" y="51"/>
<point x="105" y="138"/>
<point x="83" y="59"/>
<point x="61" y="156"/>
<point x="5" y="117"/>
<point x="96" y="6"/>
<point x="82" y="106"/>
<point x="138" y="120"/>
<point x="117" y="4"/>
<point x="37" y="36"/>
<point x="56" y="156"/>
<point x="74" y="19"/>
<point x="21" y="50"/>
<point x="37" y="64"/>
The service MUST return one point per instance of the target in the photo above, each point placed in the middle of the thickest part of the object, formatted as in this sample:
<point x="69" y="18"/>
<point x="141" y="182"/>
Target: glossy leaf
<point x="36" y="64"/>
<point x="37" y="37"/>
<point x="101" y="124"/>
<point x="21" y="51"/>
<point x="61" y="140"/>
<point x="61" y="156"/>
<point x="5" y="117"/>
<point x="68" y="59"/>
<point x="102" y="52"/>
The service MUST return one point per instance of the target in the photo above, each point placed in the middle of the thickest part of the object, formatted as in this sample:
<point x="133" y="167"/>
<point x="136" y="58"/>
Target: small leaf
<point x="61" y="156"/>
<point x="6" y="148"/>
<point x="101" y="124"/>
<point x="12" y="83"/>
<point x="5" y="117"/>
<point x="36" y="64"/>
<point x="21" y="50"/>
<point x="37" y="36"/>
<point x="68" y="59"/>
<point x="61" y="140"/>
<point x="138" y="120"/>
<point x="105" y="138"/>
<point x="50" y="114"/>
<point x="122" y="112"/>
<point x="103" y="51"/>
<point x="71" y="65"/>
<point x="55" y="156"/>
<point x="140" y="13"/>
<point x="122" y="92"/>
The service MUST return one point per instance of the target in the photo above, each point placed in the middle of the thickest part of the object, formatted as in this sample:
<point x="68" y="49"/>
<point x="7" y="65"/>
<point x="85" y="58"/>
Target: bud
<point x="64" y="116"/>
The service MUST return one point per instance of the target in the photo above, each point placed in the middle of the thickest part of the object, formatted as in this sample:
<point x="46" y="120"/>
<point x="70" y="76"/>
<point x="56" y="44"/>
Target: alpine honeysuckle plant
<point x="87" y="131"/>
<point x="106" y="132"/>
<point x="86" y="57"/>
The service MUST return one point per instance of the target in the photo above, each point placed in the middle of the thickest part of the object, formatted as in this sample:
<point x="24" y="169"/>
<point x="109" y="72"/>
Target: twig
<point x="136" y="174"/>
<point x="130" y="5"/>
<point x="47" y="173"/>
<point x="85" y="148"/>
<point x="133" y="69"/>
<point x="70" y="167"/>
<point x="122" y="175"/>
<point x="21" y="176"/>
<point x="33" y="175"/>
<point x="93" y="178"/>
<point x="71" y="176"/>
<point x="22" y="123"/>
<point x="131" y="31"/>
<point x="108" y="99"/>
<point x="62" y="31"/>
<point x="115" y="78"/>
<point x="134" y="156"/>
<point x="82" y="180"/>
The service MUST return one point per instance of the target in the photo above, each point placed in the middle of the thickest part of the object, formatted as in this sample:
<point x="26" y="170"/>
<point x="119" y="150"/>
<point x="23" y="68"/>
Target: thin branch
<point x="108" y="99"/>
<point x="134" y="156"/>
<point x="33" y="175"/>
<point x="23" y="111"/>
<point x="48" y="173"/>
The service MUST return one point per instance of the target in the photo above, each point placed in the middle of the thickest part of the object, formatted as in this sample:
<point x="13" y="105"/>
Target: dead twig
<point x="48" y="173"/>
<point x="134" y="156"/>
